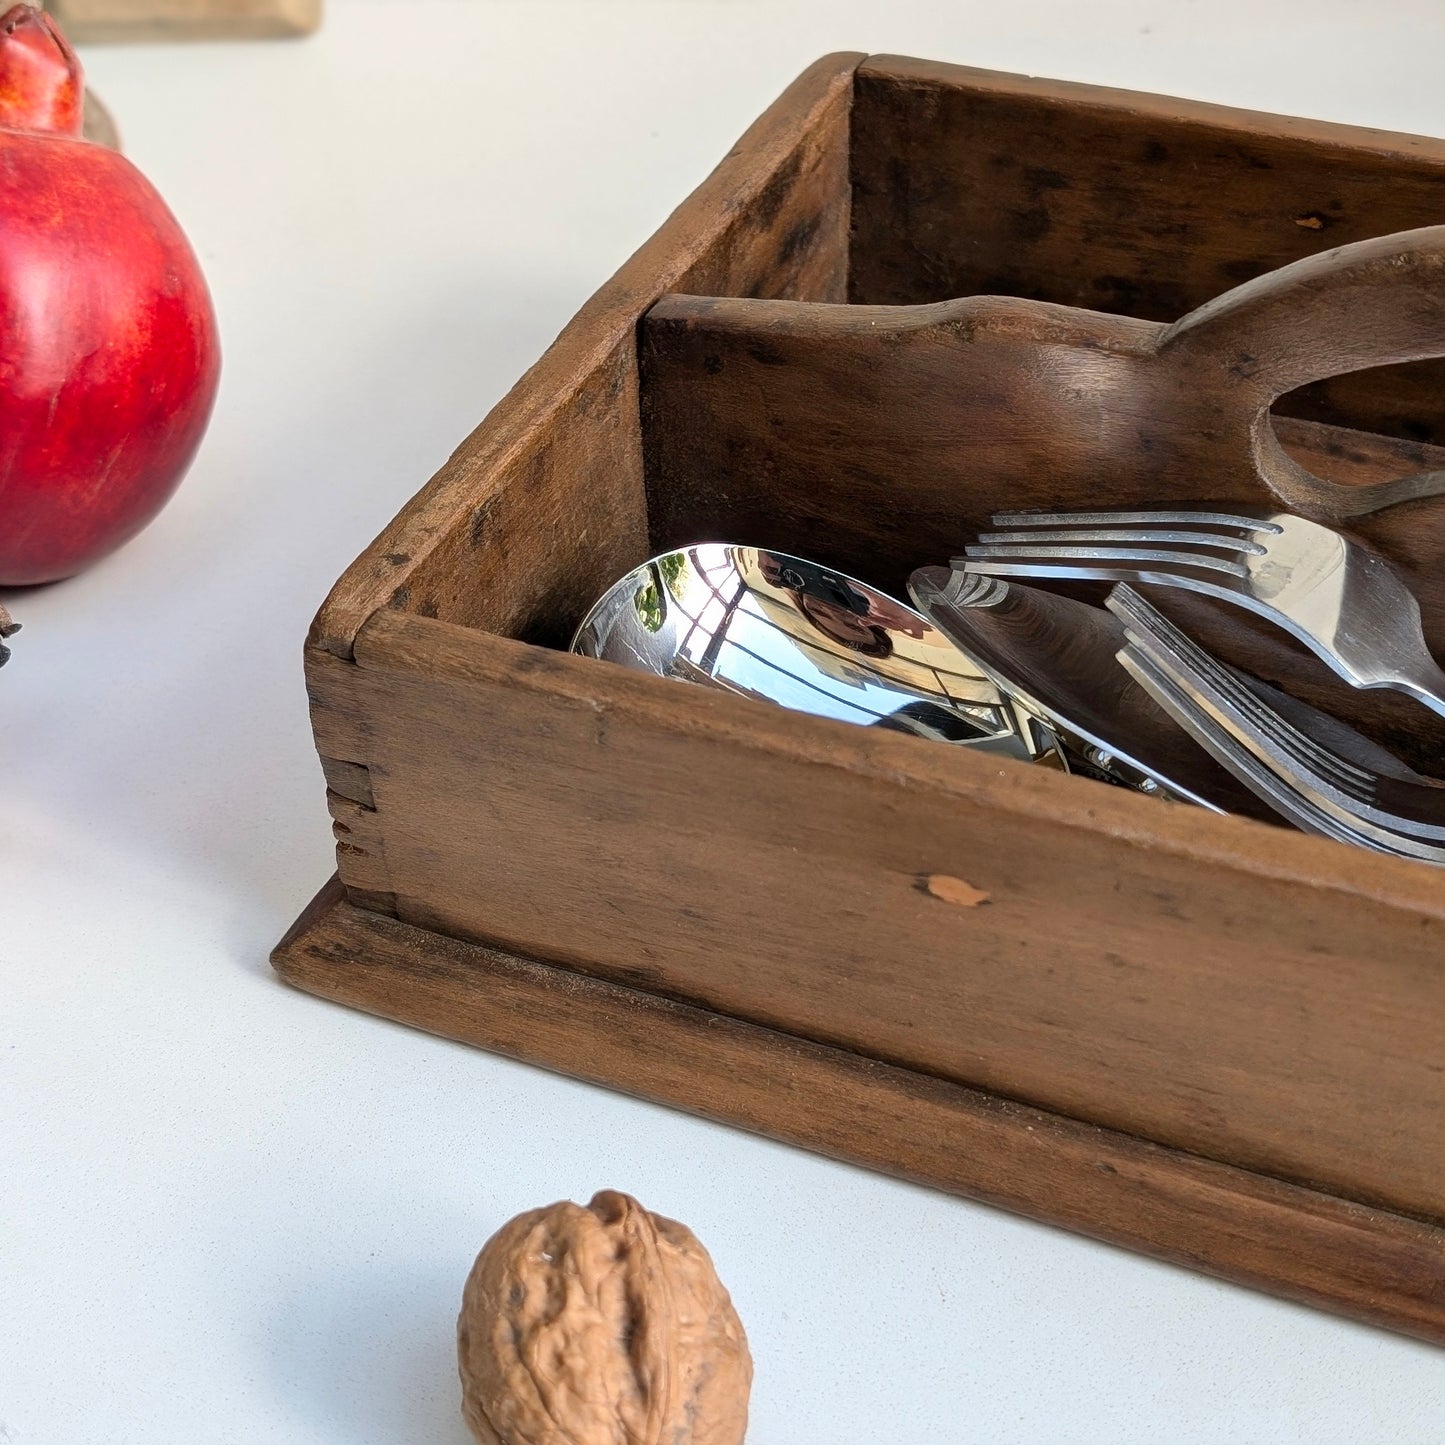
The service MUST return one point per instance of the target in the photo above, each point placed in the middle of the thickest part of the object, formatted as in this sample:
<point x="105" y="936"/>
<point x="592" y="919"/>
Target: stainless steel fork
<point x="1337" y="596"/>
<point x="1327" y="780"/>
<point x="1280" y="790"/>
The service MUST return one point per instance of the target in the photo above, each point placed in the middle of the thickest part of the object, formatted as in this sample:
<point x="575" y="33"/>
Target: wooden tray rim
<point x="1306" y="1244"/>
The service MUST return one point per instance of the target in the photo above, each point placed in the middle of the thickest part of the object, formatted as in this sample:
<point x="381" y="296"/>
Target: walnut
<point x="600" y="1326"/>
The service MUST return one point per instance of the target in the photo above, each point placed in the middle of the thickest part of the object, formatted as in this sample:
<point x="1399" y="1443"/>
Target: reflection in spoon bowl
<point x="777" y="628"/>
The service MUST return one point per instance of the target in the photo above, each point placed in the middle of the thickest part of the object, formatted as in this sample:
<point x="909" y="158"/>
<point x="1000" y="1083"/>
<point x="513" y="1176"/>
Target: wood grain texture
<point x="1260" y="997"/>
<point x="892" y="434"/>
<point x="969" y="182"/>
<point x="89" y="22"/>
<point x="542" y="506"/>
<point x="1374" y="1266"/>
<point x="360" y="846"/>
<point x="349" y="780"/>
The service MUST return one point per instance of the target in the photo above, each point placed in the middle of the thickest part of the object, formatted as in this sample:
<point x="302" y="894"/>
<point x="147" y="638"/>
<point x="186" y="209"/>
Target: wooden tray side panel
<point x="970" y="182"/>
<point x="1255" y="996"/>
<point x="542" y="506"/>
<point x="1381" y="1268"/>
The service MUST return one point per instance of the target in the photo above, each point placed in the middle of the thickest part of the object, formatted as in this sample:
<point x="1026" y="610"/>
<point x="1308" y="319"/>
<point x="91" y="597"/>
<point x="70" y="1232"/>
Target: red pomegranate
<point x="108" y="351"/>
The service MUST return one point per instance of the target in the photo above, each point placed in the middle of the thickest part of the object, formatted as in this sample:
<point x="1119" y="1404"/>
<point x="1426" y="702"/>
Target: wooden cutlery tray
<point x="1208" y="1039"/>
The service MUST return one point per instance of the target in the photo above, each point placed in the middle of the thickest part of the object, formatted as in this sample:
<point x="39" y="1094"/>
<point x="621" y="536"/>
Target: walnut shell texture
<point x="600" y="1326"/>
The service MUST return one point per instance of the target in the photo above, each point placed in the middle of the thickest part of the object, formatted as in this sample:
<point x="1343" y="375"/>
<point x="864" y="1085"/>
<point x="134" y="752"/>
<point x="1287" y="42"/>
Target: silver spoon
<point x="785" y="630"/>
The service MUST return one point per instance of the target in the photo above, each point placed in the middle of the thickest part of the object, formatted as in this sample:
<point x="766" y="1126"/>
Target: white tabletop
<point x="231" y="1212"/>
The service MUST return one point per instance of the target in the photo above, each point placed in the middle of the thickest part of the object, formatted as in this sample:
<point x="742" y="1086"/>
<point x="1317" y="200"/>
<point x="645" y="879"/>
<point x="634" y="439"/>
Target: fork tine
<point x="1342" y="785"/>
<point x="1150" y="630"/>
<point x="1347" y="792"/>
<point x="1346" y="602"/>
<point x="1297" y="792"/>
<point x="1045" y="571"/>
<point x="1112" y="519"/>
<point x="1226" y="749"/>
<point x="1082" y="556"/>
<point x="1140" y="536"/>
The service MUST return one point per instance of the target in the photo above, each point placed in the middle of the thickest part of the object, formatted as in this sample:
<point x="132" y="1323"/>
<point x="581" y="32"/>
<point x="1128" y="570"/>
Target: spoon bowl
<point x="781" y="629"/>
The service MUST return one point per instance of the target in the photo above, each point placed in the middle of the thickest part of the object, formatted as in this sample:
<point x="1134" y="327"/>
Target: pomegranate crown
<point x="41" y="86"/>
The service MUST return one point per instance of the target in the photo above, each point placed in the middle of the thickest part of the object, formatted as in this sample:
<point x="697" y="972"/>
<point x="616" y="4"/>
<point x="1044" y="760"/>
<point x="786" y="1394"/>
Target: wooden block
<point x="88" y="22"/>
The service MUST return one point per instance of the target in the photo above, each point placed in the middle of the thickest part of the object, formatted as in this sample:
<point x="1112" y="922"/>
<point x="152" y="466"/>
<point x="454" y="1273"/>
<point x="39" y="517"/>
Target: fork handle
<point x="1372" y="303"/>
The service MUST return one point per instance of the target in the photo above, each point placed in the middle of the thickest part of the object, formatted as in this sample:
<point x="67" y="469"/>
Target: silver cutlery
<point x="1119" y="694"/>
<point x="1057" y="658"/>
<point x="1222" y="745"/>
<point x="1337" y="596"/>
<point x="1315" y="770"/>
<point x="779" y="628"/>
<point x="1271" y="781"/>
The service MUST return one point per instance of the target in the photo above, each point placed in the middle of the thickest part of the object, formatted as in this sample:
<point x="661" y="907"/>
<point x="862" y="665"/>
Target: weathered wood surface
<point x="938" y="177"/>
<point x="969" y="182"/>
<point x="1374" y="1266"/>
<point x="1250" y="994"/>
<point x="891" y="434"/>
<point x="541" y="508"/>
<point x="341" y="721"/>
<point x="90" y="22"/>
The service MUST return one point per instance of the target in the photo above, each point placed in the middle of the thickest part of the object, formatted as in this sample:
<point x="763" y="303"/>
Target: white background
<point x="233" y="1213"/>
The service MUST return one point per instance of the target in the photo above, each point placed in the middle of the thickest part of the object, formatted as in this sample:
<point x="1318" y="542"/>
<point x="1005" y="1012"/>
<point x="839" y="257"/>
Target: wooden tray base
<point x="1368" y="1264"/>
